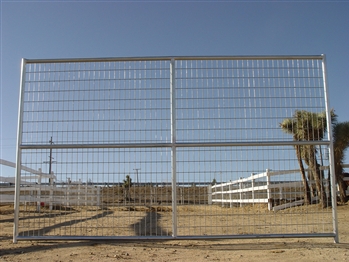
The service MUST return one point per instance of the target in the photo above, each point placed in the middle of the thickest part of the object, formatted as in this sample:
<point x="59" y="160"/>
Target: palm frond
<point x="340" y="140"/>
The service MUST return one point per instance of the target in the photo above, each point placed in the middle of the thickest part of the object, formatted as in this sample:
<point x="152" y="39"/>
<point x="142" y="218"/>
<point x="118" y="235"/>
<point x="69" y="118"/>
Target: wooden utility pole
<point x="50" y="160"/>
<point x="137" y="175"/>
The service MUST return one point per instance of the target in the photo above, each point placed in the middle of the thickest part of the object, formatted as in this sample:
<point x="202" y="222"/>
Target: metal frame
<point x="173" y="144"/>
<point x="331" y="154"/>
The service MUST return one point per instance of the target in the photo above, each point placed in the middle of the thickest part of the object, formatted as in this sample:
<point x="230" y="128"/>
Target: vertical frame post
<point x="270" y="205"/>
<point x="331" y="153"/>
<point x="209" y="192"/>
<point x="222" y="194"/>
<point x="51" y="191"/>
<point x="173" y="147"/>
<point x="230" y="196"/>
<point x="252" y="185"/>
<point x="240" y="191"/>
<point x="19" y="151"/>
<point x="38" y="195"/>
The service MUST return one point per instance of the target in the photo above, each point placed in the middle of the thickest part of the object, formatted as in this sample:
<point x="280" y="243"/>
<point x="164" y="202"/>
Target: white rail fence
<point x="258" y="188"/>
<point x="33" y="191"/>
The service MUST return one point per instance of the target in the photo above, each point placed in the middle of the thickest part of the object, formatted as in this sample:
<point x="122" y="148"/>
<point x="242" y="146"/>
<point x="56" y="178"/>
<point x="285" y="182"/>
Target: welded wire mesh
<point x="104" y="102"/>
<point x="244" y="100"/>
<point x="174" y="147"/>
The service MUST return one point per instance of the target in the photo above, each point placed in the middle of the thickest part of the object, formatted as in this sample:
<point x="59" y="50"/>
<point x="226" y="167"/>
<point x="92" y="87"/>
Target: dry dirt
<point x="301" y="249"/>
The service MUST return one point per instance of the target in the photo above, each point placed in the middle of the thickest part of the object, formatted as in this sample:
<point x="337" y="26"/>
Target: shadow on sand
<point x="149" y="226"/>
<point x="45" y="230"/>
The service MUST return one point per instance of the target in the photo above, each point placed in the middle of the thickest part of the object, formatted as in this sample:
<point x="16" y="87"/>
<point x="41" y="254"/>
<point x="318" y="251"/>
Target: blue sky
<point x="69" y="29"/>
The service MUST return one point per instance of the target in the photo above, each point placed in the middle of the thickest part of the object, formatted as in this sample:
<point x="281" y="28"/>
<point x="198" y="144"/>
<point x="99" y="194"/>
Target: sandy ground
<point x="301" y="249"/>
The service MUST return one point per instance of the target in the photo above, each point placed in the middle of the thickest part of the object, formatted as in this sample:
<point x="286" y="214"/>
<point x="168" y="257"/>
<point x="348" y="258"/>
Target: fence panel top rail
<point x="160" y="58"/>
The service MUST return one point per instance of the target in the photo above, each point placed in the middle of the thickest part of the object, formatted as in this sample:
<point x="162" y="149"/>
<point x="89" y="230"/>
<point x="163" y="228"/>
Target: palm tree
<point x="290" y="126"/>
<point x="340" y="144"/>
<point x="308" y="126"/>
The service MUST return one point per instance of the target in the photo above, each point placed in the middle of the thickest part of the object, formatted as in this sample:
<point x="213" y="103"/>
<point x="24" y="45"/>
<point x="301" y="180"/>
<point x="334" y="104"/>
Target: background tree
<point x="127" y="185"/>
<point x="340" y="144"/>
<point x="290" y="126"/>
<point x="308" y="126"/>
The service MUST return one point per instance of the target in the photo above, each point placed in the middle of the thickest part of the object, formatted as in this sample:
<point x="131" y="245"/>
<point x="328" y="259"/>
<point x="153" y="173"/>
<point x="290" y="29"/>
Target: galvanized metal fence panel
<point x="137" y="148"/>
